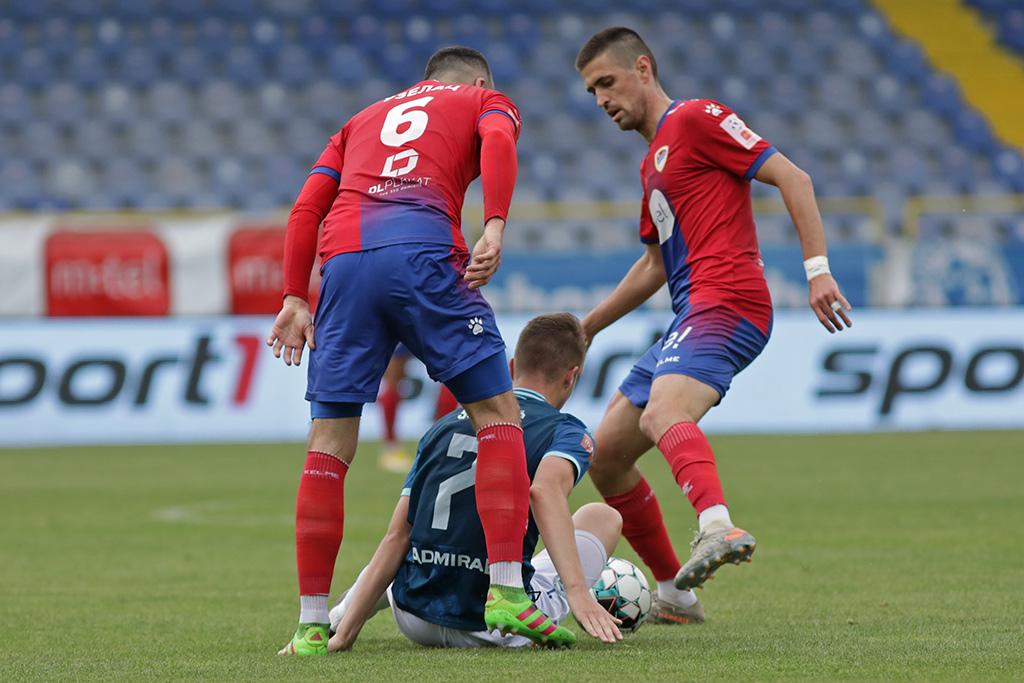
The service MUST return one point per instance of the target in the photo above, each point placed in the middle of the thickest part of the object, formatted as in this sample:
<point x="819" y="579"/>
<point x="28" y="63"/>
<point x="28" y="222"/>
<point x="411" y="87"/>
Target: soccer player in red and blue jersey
<point x="389" y="189"/>
<point x="698" y="227"/>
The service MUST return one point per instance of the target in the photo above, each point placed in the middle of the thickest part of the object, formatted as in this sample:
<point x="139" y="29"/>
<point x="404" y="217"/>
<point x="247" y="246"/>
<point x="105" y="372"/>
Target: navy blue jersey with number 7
<point x="444" y="576"/>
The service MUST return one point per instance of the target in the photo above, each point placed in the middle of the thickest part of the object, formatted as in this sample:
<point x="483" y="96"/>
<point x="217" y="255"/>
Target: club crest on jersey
<point x="587" y="444"/>
<point x="660" y="157"/>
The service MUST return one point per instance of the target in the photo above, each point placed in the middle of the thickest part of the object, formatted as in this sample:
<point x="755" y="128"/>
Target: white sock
<point x="313" y="609"/>
<point x="716" y="514"/>
<point x="507" y="574"/>
<point x="668" y="592"/>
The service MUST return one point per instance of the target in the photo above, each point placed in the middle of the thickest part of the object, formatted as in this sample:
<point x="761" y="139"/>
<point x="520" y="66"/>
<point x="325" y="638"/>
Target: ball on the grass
<point x="623" y="591"/>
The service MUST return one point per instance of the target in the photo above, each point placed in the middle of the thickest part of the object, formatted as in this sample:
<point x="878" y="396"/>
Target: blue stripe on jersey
<point x="759" y="162"/>
<point x="670" y="108"/>
<point x="515" y="124"/>
<point x="327" y="171"/>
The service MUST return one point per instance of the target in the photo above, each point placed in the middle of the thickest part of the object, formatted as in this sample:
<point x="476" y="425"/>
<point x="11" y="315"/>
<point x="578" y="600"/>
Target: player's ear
<point x="643" y="68"/>
<point x="482" y="82"/>
<point x="512" y="367"/>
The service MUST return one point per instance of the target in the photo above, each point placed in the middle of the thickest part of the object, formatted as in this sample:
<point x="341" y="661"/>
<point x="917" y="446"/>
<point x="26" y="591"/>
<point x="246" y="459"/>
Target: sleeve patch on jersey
<point x="587" y="443"/>
<point x="734" y="126"/>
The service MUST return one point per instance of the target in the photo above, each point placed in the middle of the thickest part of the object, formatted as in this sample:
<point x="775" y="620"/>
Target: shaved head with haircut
<point x="458" y="64"/>
<point x="625" y="43"/>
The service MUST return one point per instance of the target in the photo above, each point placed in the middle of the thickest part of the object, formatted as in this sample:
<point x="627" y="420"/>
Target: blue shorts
<point x="409" y="293"/>
<point x="712" y="344"/>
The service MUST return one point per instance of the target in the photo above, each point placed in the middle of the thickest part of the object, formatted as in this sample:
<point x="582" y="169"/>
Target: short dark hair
<point x="457" y="58"/>
<point x="625" y="41"/>
<point x="551" y="345"/>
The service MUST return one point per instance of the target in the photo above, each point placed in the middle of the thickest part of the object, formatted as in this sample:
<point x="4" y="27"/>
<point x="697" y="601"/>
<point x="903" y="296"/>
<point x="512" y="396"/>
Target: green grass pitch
<point x="883" y="557"/>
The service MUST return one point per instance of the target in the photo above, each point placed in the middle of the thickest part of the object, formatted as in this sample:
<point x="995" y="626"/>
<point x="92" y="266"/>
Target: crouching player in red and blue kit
<point x="697" y="224"/>
<point x="389" y="189"/>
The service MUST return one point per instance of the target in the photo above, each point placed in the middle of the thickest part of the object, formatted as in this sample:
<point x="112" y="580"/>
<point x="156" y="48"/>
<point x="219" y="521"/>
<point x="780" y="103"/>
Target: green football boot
<point x="510" y="610"/>
<point x="310" y="640"/>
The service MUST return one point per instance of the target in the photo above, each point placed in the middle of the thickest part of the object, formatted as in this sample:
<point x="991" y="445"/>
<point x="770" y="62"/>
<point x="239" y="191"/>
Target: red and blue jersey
<point x="403" y="166"/>
<point x="696" y="179"/>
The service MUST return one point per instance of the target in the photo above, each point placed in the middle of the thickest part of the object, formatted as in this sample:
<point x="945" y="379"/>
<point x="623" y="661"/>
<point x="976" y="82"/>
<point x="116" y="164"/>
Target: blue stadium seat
<point x="190" y="66"/>
<point x="294" y="67"/>
<point x="162" y="36"/>
<point x="118" y="105"/>
<point x="110" y="38"/>
<point x="244" y="67"/>
<point x="33" y="69"/>
<point x="973" y="131"/>
<point x="87" y="70"/>
<point x="223" y="102"/>
<point x="906" y="61"/>
<point x="15" y="105"/>
<point x="137" y="67"/>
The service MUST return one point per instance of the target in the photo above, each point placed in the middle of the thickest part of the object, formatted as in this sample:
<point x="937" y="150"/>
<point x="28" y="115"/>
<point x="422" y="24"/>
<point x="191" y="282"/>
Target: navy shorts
<point x="413" y="294"/>
<point x="711" y="343"/>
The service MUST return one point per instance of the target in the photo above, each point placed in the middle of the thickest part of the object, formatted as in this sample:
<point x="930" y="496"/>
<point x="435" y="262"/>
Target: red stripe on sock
<point x="644" y="527"/>
<point x="502" y="491"/>
<point x="693" y="464"/>
<point x="319" y="521"/>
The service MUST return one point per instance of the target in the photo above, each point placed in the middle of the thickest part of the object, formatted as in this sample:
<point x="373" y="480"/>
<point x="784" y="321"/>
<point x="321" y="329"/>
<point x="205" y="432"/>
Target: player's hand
<point x="829" y="304"/>
<point x="292" y="330"/>
<point x="338" y="643"/>
<point x="486" y="255"/>
<point x="594" y="619"/>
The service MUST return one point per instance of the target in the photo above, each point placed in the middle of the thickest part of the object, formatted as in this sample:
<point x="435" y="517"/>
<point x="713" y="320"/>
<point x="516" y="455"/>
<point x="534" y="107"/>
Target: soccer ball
<point x="623" y="591"/>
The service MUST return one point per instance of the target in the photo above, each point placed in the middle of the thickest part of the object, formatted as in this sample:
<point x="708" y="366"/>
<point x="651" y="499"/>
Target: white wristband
<point x="815" y="266"/>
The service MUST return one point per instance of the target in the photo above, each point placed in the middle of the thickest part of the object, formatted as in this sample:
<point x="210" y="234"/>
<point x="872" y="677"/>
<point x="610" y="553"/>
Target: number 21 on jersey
<point x="404" y="123"/>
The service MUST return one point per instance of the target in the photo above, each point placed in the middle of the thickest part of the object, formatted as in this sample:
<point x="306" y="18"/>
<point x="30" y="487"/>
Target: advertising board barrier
<point x="157" y="380"/>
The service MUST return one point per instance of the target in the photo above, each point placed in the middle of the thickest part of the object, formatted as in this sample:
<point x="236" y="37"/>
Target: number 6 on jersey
<point x="411" y="115"/>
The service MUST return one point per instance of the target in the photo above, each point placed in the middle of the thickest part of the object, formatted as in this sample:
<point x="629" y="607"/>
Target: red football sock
<point x="319" y="521"/>
<point x="693" y="464"/>
<point x="389" y="399"/>
<point x="446" y="403"/>
<point x="644" y="528"/>
<point x="502" y="491"/>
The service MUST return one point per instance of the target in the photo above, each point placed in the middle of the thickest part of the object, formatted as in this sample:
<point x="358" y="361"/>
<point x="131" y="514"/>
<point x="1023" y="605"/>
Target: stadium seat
<point x="241" y="94"/>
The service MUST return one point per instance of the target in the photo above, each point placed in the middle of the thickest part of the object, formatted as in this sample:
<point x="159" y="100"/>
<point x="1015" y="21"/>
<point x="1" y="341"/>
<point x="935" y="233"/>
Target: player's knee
<point x="651" y="422"/>
<point x="605" y="471"/>
<point x="602" y="520"/>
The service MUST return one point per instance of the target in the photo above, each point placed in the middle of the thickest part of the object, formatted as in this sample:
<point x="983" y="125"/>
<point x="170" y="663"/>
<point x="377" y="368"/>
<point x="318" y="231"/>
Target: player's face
<point x="617" y="89"/>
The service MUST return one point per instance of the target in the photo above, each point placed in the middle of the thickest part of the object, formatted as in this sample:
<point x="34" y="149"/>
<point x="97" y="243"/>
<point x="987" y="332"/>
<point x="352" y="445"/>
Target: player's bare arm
<point x="377" y="576"/>
<point x="549" y="498"/>
<point x="797" y="190"/>
<point x="644" y="278"/>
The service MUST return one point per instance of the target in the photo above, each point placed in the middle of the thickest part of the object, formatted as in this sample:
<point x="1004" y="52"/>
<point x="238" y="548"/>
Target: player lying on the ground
<point x="434" y="557"/>
<point x="698" y="229"/>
